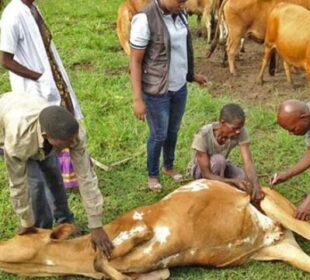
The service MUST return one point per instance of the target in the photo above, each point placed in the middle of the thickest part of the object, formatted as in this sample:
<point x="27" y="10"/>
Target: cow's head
<point x="30" y="254"/>
<point x="22" y="248"/>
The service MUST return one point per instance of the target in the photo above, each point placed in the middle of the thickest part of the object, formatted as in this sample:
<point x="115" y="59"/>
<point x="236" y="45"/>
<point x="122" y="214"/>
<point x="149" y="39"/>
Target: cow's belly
<point x="248" y="232"/>
<point x="293" y="52"/>
<point x="258" y="231"/>
<point x="292" y="39"/>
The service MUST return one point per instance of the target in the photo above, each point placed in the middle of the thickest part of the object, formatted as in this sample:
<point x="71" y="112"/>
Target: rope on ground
<point x="106" y="168"/>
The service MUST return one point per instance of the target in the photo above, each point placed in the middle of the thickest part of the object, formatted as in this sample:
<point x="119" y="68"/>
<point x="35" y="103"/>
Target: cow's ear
<point x="62" y="231"/>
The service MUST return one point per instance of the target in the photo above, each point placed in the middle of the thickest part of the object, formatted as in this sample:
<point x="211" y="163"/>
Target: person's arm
<point x="10" y="38"/>
<point x="136" y="57"/>
<point x="8" y="62"/>
<point x="91" y="196"/>
<point x="19" y="191"/>
<point x="192" y="76"/>
<point x="299" y="167"/>
<point x="257" y="193"/>
<point x="203" y="161"/>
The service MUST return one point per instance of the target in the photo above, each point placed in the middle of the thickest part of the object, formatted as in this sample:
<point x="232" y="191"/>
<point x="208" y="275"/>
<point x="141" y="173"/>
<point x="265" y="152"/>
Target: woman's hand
<point x="201" y="79"/>
<point x="139" y="109"/>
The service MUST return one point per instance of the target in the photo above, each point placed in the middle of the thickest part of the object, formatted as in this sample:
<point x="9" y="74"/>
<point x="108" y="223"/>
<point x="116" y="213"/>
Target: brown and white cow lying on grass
<point x="202" y="223"/>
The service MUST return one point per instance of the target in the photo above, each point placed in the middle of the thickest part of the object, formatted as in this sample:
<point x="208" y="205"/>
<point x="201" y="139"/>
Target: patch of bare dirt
<point x="116" y="71"/>
<point x="244" y="86"/>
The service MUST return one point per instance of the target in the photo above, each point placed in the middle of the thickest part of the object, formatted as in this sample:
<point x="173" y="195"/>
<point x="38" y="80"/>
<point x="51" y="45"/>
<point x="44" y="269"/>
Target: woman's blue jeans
<point x="164" y="115"/>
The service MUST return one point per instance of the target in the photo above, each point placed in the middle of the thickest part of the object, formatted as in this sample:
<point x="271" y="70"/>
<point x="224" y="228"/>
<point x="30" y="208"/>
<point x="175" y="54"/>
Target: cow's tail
<point x="215" y="39"/>
<point x="272" y="62"/>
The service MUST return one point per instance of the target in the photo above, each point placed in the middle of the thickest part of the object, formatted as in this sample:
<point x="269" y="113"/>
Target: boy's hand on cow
<point x="255" y="191"/>
<point x="242" y="185"/>
<point x="139" y="109"/>
<point x="302" y="212"/>
<point x="257" y="194"/>
<point x="201" y="79"/>
<point x="26" y="230"/>
<point x="278" y="178"/>
<point x="101" y="241"/>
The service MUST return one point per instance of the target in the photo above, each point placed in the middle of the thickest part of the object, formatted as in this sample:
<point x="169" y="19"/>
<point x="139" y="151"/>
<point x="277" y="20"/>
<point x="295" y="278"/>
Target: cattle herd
<point x="260" y="20"/>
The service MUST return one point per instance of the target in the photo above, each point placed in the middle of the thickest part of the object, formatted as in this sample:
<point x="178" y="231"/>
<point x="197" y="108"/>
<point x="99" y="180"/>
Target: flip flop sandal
<point x="155" y="187"/>
<point x="176" y="177"/>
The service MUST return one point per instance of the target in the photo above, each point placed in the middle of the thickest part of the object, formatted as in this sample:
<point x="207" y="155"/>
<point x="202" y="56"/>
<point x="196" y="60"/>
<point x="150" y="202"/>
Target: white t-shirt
<point x="204" y="141"/>
<point x="20" y="35"/>
<point x="140" y="36"/>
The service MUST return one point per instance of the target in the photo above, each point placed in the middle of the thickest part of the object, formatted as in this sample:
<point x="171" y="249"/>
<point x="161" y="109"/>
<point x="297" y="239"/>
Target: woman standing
<point x="161" y="63"/>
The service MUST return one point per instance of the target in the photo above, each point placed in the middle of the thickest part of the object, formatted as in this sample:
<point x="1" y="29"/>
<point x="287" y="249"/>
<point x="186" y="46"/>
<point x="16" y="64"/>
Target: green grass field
<point x="84" y="32"/>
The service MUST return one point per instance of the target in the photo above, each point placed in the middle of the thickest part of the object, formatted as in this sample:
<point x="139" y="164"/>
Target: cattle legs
<point x="266" y="59"/>
<point x="233" y="44"/>
<point x="206" y="19"/>
<point x="308" y="74"/>
<point x="126" y="236"/>
<point x="102" y="265"/>
<point x="286" y="250"/>
<point x="280" y="209"/>
<point x="287" y="69"/>
<point x="162" y="274"/>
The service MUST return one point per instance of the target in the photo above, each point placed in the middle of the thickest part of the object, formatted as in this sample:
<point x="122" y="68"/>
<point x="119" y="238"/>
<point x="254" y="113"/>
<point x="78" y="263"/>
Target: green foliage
<point x="84" y="32"/>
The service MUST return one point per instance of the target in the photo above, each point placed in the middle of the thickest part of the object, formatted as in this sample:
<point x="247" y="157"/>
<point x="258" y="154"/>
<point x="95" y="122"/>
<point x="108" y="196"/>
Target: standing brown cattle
<point x="204" y="8"/>
<point x="202" y="223"/>
<point x="128" y="9"/>
<point x="248" y="18"/>
<point x="124" y="16"/>
<point x="288" y="32"/>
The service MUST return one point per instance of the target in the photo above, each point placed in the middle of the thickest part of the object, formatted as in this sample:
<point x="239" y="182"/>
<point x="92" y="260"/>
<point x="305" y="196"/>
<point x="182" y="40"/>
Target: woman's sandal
<point x="154" y="185"/>
<point x="175" y="175"/>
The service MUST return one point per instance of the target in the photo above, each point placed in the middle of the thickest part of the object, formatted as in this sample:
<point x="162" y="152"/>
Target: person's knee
<point x="196" y="173"/>
<point x="160" y="137"/>
<point x="240" y="174"/>
<point x="173" y="131"/>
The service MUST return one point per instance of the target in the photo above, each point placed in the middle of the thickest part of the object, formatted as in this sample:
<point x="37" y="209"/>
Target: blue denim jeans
<point x="48" y="194"/>
<point x="164" y="115"/>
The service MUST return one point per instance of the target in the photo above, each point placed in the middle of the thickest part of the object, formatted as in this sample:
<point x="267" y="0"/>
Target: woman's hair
<point x="58" y="123"/>
<point x="231" y="112"/>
